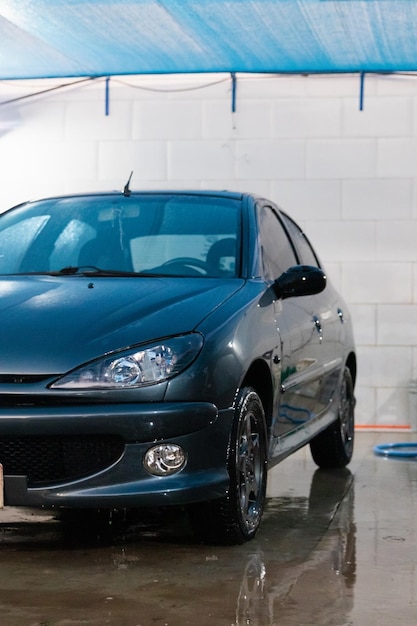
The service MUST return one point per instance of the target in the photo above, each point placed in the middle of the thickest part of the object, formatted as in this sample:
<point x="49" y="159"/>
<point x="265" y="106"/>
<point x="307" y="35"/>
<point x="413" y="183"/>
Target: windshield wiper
<point x="92" y="270"/>
<point x="89" y="270"/>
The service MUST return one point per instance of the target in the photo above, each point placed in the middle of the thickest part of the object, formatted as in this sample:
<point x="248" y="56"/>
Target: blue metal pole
<point x="234" y="86"/>
<point x="107" y="95"/>
<point x="362" y="91"/>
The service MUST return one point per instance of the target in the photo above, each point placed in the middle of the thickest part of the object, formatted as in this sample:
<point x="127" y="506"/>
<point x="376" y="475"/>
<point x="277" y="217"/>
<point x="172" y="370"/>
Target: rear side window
<point x="276" y="249"/>
<point x="302" y="244"/>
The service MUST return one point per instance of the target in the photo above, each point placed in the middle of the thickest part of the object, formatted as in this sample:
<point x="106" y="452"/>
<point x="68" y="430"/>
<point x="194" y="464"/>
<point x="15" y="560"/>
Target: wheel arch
<point x="352" y="366"/>
<point x="259" y="377"/>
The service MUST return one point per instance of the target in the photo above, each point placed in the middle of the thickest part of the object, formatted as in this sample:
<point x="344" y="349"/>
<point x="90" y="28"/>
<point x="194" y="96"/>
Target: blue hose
<point x="397" y="450"/>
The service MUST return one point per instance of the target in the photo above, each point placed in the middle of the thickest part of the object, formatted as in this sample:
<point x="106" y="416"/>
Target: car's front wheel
<point x="333" y="447"/>
<point x="236" y="517"/>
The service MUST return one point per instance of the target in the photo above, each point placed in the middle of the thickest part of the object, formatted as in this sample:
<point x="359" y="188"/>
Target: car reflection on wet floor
<point x="122" y="555"/>
<point x="317" y="556"/>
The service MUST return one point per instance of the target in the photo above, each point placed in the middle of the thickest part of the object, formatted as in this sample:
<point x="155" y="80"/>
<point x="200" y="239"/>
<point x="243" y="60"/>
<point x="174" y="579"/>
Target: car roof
<point x="233" y="195"/>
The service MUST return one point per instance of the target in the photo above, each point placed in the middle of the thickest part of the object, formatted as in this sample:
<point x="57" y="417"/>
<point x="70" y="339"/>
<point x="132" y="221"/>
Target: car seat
<point x="222" y="256"/>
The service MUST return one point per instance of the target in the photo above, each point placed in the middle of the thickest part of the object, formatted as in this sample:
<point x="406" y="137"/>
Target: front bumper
<point x="199" y="428"/>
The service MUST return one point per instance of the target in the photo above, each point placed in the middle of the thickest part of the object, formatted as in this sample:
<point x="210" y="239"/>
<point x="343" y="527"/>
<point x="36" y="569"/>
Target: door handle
<point x="318" y="326"/>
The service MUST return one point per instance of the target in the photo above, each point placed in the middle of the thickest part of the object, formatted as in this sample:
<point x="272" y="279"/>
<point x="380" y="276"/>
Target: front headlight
<point x="136" y="367"/>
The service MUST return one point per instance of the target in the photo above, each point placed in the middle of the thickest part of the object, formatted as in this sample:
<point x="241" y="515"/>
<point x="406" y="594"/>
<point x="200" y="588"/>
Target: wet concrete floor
<point x="334" y="549"/>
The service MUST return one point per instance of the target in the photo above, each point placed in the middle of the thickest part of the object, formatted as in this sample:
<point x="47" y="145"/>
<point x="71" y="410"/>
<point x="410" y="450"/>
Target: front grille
<point x="18" y="379"/>
<point x="9" y="400"/>
<point x="53" y="459"/>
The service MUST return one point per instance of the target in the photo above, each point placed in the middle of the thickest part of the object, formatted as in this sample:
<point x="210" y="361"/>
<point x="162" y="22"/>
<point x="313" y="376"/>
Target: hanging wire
<point x="107" y="78"/>
<point x="43" y="91"/>
<point x="174" y="90"/>
<point x="183" y="89"/>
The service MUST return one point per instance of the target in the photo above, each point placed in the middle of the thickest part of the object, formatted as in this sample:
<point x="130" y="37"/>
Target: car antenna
<point x="126" y="189"/>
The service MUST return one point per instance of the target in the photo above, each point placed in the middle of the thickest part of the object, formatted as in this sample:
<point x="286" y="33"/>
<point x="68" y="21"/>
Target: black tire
<point x="236" y="518"/>
<point x="333" y="447"/>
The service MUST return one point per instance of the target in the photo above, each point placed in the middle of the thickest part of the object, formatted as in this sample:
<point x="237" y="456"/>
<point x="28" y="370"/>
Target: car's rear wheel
<point x="236" y="517"/>
<point x="334" y="446"/>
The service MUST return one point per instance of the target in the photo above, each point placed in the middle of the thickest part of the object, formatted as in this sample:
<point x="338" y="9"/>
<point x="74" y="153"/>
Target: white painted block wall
<point x="348" y="176"/>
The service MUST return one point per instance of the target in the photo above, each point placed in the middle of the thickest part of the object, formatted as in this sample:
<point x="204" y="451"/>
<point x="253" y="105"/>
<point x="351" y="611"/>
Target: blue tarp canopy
<point x="76" y="38"/>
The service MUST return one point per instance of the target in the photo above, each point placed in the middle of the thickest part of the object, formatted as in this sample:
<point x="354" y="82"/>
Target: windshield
<point x="159" y="234"/>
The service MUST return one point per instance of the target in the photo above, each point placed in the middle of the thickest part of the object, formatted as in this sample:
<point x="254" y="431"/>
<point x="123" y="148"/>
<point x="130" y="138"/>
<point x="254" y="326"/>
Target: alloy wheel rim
<point x="346" y="416"/>
<point x="251" y="470"/>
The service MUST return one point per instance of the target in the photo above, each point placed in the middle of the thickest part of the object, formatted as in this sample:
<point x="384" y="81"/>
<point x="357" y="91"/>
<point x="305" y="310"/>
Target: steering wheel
<point x="188" y="261"/>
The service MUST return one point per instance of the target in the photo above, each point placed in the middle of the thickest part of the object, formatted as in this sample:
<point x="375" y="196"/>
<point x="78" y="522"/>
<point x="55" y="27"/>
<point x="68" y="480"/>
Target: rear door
<point x="326" y="309"/>
<point x="298" y="321"/>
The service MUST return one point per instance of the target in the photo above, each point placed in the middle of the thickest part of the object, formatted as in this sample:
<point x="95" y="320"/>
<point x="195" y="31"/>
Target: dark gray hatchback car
<point x="165" y="348"/>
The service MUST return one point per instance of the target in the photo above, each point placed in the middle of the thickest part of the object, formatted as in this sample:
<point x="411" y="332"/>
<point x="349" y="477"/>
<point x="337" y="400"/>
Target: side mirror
<point x="300" y="280"/>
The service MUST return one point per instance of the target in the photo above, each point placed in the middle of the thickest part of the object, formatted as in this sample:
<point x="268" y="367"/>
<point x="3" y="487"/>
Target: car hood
<point x="50" y="325"/>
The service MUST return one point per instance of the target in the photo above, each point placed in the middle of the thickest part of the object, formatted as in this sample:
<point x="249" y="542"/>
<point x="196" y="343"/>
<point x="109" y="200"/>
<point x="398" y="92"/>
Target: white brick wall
<point x="348" y="176"/>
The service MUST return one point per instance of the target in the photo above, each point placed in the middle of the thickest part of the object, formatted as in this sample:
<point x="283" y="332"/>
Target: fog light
<point x="164" y="459"/>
